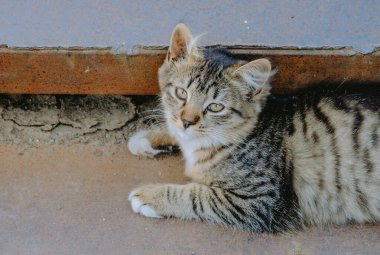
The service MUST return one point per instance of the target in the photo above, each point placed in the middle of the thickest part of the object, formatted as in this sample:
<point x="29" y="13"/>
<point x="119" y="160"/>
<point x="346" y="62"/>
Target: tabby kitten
<point x="259" y="162"/>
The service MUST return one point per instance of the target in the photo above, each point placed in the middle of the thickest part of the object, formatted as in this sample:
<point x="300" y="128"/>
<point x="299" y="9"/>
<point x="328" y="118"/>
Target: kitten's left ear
<point x="256" y="74"/>
<point x="181" y="43"/>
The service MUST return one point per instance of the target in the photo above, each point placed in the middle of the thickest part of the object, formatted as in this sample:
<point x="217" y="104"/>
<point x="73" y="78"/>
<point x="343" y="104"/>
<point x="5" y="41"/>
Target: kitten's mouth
<point x="184" y="135"/>
<point x="182" y="132"/>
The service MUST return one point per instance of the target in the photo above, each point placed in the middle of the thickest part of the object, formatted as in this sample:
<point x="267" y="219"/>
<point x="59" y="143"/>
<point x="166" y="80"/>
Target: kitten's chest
<point x="189" y="156"/>
<point x="201" y="161"/>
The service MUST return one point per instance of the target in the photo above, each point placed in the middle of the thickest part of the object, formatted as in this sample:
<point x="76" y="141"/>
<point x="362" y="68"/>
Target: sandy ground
<point x="72" y="199"/>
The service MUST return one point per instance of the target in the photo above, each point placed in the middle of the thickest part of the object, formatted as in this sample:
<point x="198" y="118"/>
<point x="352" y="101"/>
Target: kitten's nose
<point x="187" y="123"/>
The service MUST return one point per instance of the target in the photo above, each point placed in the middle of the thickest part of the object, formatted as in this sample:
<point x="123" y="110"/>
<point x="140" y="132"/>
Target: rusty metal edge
<point x="95" y="70"/>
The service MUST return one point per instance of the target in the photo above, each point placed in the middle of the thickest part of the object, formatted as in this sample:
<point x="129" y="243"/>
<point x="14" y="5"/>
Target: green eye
<point x="213" y="107"/>
<point x="181" y="93"/>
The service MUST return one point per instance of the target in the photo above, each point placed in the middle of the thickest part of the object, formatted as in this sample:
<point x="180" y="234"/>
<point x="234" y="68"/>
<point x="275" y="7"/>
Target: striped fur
<point x="264" y="163"/>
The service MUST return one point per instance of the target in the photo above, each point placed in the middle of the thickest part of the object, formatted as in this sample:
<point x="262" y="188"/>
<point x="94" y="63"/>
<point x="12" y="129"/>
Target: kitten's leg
<point x="190" y="201"/>
<point x="149" y="143"/>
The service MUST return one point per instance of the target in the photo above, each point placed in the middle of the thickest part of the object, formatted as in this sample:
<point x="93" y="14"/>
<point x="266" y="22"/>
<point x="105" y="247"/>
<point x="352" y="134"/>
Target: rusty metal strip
<point x="97" y="71"/>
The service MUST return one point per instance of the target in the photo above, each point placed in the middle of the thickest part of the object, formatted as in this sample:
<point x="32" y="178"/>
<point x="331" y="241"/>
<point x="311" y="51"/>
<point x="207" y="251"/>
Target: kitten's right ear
<point x="180" y="43"/>
<point x="256" y="74"/>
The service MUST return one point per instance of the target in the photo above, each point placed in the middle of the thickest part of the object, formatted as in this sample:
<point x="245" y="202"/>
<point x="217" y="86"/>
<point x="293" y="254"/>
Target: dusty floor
<point x="72" y="199"/>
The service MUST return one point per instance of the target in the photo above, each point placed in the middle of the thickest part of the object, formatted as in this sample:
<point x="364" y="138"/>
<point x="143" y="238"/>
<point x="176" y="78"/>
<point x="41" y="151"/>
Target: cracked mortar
<point x="31" y="120"/>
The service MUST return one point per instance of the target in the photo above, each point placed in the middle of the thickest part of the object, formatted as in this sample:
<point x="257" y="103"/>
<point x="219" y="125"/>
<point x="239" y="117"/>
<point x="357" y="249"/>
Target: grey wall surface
<point x="124" y="24"/>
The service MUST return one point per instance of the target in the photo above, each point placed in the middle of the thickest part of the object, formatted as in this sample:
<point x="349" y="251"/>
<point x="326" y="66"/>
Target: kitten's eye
<point x="181" y="93"/>
<point x="213" y="107"/>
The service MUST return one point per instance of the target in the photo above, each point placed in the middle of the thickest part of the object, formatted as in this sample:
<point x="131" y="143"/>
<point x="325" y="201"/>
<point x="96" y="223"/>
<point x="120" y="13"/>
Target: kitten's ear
<point x="255" y="74"/>
<point x="180" y="43"/>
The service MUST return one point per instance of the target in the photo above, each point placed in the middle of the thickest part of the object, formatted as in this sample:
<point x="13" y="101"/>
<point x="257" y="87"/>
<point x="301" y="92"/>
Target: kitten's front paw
<point x="139" y="145"/>
<point x="141" y="203"/>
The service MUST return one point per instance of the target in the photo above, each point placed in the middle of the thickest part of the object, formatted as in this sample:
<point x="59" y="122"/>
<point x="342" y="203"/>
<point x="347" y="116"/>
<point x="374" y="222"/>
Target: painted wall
<point x="124" y="24"/>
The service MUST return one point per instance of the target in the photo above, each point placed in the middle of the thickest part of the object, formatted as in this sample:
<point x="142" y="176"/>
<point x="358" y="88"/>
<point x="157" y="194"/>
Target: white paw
<point x="139" y="145"/>
<point x="141" y="208"/>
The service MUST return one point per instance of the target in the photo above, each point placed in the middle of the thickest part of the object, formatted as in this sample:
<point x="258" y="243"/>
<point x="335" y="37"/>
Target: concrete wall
<point x="124" y="24"/>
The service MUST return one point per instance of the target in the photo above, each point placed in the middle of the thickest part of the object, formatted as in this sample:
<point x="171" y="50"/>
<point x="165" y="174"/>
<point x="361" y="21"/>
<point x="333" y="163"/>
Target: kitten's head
<point x="207" y="94"/>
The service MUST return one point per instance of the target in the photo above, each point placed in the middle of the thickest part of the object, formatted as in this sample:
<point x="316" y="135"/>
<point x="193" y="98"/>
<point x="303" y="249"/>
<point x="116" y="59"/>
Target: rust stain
<point x="300" y="71"/>
<point x="74" y="71"/>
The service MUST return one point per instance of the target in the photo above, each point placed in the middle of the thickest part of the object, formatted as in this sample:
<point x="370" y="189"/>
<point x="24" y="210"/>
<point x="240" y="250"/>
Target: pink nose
<point x="187" y="123"/>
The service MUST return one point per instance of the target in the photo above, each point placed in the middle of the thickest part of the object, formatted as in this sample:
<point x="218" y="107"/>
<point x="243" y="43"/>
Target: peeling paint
<point x="36" y="119"/>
